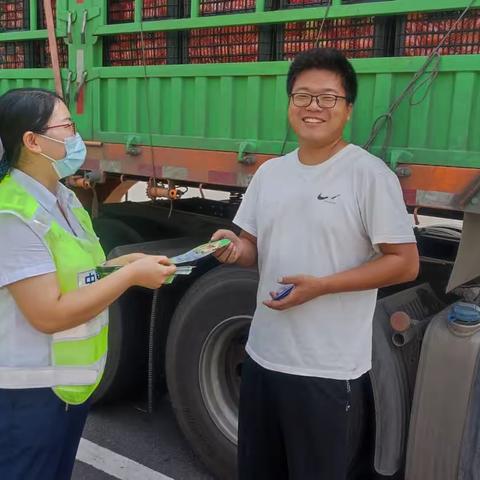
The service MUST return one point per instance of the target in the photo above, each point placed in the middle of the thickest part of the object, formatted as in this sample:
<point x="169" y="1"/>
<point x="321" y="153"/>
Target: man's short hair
<point x="325" y="59"/>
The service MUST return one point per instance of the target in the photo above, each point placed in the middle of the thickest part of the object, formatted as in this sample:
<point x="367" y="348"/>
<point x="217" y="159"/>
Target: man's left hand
<point x="306" y="288"/>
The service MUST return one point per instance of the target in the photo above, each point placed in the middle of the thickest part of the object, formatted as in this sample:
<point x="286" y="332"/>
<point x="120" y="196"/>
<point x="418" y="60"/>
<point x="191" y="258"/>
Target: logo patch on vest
<point x="87" y="278"/>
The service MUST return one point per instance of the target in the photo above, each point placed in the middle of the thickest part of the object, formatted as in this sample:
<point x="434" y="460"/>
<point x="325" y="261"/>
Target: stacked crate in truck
<point x="420" y="33"/>
<point x="15" y="17"/>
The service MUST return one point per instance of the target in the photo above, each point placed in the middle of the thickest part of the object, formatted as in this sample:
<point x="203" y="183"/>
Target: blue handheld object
<point x="284" y="292"/>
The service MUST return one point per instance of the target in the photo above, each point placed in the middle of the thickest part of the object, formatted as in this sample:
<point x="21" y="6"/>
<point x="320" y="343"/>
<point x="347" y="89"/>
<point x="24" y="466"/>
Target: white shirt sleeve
<point x="383" y="209"/>
<point x="22" y="253"/>
<point x="246" y="217"/>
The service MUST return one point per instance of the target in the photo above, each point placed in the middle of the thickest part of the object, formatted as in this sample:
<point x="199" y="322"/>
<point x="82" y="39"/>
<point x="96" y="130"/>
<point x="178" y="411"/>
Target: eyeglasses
<point x="64" y="125"/>
<point x="325" y="100"/>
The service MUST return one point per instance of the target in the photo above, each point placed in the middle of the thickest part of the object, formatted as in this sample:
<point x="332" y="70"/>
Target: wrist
<point x="128" y="275"/>
<point x="323" y="286"/>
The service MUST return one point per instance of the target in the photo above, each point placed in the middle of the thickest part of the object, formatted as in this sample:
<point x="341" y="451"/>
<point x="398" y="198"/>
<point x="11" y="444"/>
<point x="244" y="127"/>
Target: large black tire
<point x="126" y="368"/>
<point x="205" y="352"/>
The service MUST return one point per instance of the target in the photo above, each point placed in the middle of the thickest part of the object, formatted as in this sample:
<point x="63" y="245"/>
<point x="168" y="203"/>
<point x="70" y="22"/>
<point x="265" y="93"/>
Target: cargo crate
<point x="123" y="11"/>
<point x="14" y="15"/>
<point x="419" y="33"/>
<point x="45" y="60"/>
<point x="216" y="7"/>
<point x="245" y="43"/>
<point x="126" y="49"/>
<point x="30" y="54"/>
<point x="355" y="37"/>
<point x="42" y="22"/>
<point x="13" y="54"/>
<point x="282" y="4"/>
<point x="159" y="9"/>
<point x="317" y="3"/>
<point x="120" y="11"/>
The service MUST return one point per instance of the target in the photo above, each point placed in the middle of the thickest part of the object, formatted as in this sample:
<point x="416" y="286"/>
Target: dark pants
<point x="38" y="436"/>
<point x="293" y="427"/>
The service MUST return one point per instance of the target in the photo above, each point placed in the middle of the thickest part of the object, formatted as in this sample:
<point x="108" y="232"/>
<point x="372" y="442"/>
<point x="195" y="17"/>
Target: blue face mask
<point x="76" y="152"/>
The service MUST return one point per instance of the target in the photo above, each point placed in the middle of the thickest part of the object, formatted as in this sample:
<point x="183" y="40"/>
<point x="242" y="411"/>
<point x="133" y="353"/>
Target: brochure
<point x="193" y="255"/>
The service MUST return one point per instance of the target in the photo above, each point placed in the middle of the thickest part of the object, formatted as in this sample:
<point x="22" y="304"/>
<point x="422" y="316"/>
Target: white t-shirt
<point x="320" y="220"/>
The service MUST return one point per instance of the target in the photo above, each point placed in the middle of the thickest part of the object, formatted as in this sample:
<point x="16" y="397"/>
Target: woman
<point x="53" y="307"/>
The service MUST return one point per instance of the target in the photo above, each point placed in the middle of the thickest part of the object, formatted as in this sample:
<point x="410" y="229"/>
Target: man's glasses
<point x="325" y="100"/>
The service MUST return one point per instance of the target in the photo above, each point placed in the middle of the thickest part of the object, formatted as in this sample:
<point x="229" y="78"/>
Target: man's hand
<point x="231" y="253"/>
<point x="306" y="288"/>
<point x="124" y="259"/>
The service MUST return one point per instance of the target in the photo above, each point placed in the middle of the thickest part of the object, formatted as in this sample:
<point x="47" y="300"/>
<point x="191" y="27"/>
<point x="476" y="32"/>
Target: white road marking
<point x="114" y="464"/>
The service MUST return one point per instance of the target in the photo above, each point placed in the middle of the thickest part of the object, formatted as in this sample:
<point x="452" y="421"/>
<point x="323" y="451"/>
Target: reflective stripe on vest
<point x="78" y="354"/>
<point x="39" y="377"/>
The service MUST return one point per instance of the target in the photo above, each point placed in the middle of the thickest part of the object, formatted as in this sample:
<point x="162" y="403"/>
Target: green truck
<point x="191" y="93"/>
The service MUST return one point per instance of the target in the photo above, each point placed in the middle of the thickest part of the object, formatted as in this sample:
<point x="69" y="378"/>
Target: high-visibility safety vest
<point x="78" y="355"/>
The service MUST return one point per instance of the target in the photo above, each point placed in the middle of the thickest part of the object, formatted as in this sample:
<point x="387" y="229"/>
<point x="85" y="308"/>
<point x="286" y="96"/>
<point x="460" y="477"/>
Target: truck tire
<point x="126" y="368"/>
<point x="204" y="356"/>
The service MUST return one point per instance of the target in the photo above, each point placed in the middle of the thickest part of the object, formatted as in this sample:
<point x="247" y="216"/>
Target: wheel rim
<point x="221" y="360"/>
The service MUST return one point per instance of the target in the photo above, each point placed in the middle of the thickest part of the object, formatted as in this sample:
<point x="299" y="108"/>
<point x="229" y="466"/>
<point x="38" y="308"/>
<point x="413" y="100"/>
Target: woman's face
<point x="59" y="127"/>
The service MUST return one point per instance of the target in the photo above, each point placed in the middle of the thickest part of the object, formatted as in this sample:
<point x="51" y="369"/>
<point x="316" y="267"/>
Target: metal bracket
<point x="95" y="176"/>
<point x="470" y="195"/>
<point x="88" y="15"/>
<point x="70" y="79"/>
<point x="131" y="147"/>
<point x="81" y="84"/>
<point x="93" y="12"/>
<point x="403" y="172"/>
<point x="399" y="156"/>
<point x="71" y="18"/>
<point x="84" y="27"/>
<point x="245" y="152"/>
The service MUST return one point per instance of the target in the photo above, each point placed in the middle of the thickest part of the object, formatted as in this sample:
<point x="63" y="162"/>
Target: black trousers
<point x="293" y="427"/>
<point x="39" y="437"/>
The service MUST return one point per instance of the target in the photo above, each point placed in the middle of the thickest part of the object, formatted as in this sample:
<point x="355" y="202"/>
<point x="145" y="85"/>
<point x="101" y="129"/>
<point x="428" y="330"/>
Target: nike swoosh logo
<point x="321" y="197"/>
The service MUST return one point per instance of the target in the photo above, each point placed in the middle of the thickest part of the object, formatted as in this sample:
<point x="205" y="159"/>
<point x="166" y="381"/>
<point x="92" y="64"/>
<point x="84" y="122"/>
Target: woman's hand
<point x="151" y="271"/>
<point x="124" y="259"/>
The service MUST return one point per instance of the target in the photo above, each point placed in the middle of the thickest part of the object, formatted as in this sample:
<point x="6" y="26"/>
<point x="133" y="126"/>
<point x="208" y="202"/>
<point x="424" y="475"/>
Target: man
<point x="329" y="219"/>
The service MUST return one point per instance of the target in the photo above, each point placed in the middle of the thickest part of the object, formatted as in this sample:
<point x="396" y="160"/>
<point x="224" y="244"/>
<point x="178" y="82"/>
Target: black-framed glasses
<point x="64" y="125"/>
<point x="325" y="100"/>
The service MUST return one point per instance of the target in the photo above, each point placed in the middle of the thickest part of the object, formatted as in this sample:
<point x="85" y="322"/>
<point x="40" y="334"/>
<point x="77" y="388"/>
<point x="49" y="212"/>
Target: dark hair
<point x="22" y="110"/>
<point x="325" y="59"/>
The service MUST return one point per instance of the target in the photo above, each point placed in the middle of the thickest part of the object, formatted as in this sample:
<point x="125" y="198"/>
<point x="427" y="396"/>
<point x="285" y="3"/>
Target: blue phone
<point x="283" y="292"/>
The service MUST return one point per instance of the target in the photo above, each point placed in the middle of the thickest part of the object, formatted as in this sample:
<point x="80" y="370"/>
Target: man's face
<point x="319" y="126"/>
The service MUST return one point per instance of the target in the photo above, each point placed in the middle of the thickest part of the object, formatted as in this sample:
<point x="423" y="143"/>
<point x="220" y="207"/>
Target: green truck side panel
<point x="221" y="106"/>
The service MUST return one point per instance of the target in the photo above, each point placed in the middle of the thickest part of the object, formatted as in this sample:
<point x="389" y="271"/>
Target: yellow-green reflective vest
<point x="78" y="355"/>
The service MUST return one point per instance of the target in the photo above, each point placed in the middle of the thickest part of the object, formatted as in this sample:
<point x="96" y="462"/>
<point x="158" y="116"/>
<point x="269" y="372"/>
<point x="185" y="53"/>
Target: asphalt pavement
<point x="122" y="440"/>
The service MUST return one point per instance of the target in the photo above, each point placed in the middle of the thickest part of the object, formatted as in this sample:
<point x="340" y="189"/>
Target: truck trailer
<point x="182" y="94"/>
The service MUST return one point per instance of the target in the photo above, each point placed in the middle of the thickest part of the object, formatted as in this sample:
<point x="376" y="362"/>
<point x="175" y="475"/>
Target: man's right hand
<point x="231" y="253"/>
